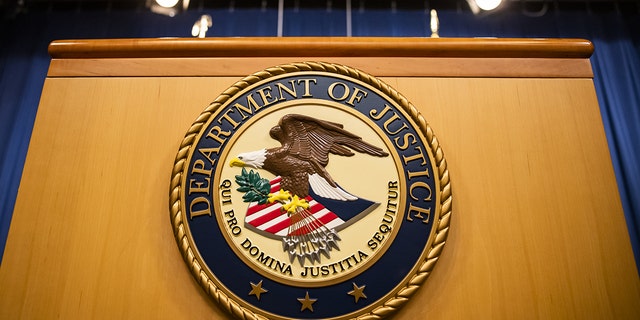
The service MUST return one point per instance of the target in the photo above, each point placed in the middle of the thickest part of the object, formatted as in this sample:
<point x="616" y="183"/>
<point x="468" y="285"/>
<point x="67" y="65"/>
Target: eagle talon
<point x="281" y="196"/>
<point x="292" y="207"/>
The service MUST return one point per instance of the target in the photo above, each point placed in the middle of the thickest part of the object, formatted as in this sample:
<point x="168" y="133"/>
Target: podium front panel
<point x="537" y="229"/>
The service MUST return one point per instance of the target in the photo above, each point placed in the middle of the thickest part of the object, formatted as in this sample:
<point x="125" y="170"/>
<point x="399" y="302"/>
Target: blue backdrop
<point x="616" y="63"/>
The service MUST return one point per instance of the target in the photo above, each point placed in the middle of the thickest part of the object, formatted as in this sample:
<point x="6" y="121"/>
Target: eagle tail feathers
<point x="323" y="188"/>
<point x="360" y="146"/>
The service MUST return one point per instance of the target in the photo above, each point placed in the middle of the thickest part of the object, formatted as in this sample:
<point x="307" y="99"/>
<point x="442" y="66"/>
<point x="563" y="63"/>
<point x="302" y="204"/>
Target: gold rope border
<point x="444" y="217"/>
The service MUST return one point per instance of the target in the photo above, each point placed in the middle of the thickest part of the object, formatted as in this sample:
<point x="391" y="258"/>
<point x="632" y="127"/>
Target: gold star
<point x="257" y="290"/>
<point x="306" y="302"/>
<point x="357" y="292"/>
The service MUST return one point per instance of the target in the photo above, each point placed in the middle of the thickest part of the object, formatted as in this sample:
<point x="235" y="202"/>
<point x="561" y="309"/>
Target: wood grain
<point x="377" y="66"/>
<point x="464" y="57"/>
<point x="537" y="230"/>
<point x="91" y="236"/>
<point x="321" y="47"/>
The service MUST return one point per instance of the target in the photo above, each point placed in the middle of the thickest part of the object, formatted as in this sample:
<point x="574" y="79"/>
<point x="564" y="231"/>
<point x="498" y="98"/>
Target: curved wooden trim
<point x="322" y="47"/>
<point x="381" y="66"/>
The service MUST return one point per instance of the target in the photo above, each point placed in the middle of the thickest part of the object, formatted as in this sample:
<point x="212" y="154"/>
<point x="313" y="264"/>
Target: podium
<point x="537" y="229"/>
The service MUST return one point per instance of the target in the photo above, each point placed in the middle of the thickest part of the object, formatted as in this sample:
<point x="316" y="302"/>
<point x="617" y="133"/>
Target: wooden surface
<point x="537" y="230"/>
<point x="377" y="66"/>
<point x="322" y="47"/>
<point x="418" y="57"/>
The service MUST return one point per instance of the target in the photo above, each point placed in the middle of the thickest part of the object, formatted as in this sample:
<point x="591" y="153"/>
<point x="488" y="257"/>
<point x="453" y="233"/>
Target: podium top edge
<point x="321" y="47"/>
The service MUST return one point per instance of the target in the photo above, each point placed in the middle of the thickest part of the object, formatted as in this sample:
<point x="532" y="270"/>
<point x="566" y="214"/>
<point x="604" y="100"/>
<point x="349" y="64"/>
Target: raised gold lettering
<point x="422" y="185"/>
<point x="197" y="186"/>
<point x="405" y="141"/>
<point x="198" y="202"/>
<point x="417" y="213"/>
<point x="265" y="94"/>
<point x="252" y="106"/>
<point x="215" y="133"/>
<point x="380" y="114"/>
<point x="307" y="91"/>
<point x="199" y="168"/>
<point x="356" y="97"/>
<point x="417" y="156"/>
<point x="291" y="91"/>
<point x="331" y="91"/>
<point x="226" y="116"/>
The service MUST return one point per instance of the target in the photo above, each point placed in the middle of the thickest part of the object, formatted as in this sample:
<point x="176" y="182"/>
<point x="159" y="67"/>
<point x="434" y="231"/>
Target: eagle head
<point x="254" y="159"/>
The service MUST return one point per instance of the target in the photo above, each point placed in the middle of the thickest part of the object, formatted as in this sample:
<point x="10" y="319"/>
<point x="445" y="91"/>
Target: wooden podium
<point x="537" y="230"/>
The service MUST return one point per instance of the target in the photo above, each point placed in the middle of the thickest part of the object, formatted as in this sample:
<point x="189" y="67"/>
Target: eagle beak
<point x="236" y="162"/>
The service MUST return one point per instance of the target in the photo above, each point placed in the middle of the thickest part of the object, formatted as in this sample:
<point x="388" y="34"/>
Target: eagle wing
<point x="312" y="140"/>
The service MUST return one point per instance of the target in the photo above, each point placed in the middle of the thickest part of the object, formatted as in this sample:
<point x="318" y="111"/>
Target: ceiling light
<point x="167" y="7"/>
<point x="167" y="3"/>
<point x="201" y="26"/>
<point x="483" y="6"/>
<point x="488" y="5"/>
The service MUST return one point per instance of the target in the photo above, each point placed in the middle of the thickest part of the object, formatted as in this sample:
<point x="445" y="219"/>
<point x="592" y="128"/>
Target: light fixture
<point x="167" y="7"/>
<point x="167" y="3"/>
<point x="488" y="5"/>
<point x="434" y="24"/>
<point x="483" y="6"/>
<point x="201" y="26"/>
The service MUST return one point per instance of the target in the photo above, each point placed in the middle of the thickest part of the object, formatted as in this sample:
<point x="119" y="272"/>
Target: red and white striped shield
<point x="272" y="220"/>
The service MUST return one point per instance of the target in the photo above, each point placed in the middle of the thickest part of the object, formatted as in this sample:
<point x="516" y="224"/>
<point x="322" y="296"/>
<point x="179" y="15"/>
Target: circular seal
<point x="310" y="191"/>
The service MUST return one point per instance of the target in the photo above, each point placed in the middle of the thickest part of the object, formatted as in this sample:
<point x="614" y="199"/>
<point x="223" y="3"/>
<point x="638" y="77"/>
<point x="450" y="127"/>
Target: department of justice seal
<point x="310" y="191"/>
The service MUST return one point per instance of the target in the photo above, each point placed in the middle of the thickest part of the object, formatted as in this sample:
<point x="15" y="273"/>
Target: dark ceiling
<point x="621" y="6"/>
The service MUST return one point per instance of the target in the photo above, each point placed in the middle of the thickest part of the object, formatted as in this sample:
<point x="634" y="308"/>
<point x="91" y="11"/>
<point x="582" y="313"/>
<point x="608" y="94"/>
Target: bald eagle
<point x="300" y="161"/>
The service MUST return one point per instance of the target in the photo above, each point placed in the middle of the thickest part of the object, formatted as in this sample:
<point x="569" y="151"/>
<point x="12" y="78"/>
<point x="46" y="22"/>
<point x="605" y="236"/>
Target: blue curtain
<point x="616" y="63"/>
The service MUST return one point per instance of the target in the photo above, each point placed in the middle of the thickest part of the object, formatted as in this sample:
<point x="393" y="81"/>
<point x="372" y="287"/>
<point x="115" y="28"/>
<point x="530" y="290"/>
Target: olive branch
<point x="255" y="188"/>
